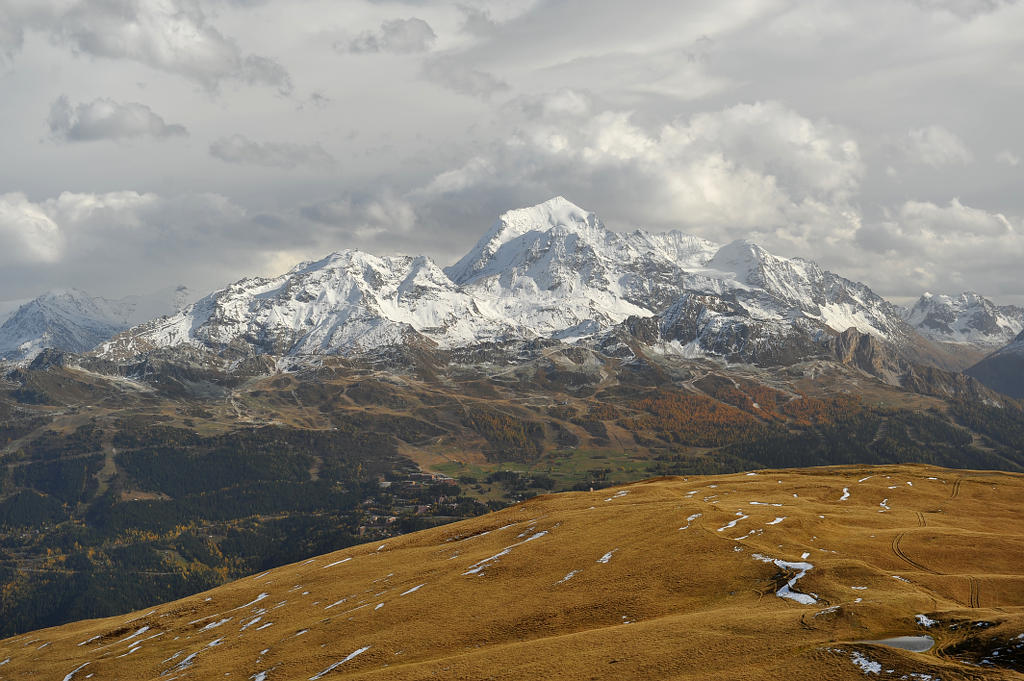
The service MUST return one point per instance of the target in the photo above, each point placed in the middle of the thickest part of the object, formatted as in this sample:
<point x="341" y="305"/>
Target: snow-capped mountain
<point x="349" y="301"/>
<point x="549" y="271"/>
<point x="74" y="321"/>
<point x="9" y="307"/>
<point x="968" y="318"/>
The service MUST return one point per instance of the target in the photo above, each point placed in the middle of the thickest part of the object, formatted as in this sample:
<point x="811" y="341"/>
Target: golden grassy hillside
<point x="771" y="575"/>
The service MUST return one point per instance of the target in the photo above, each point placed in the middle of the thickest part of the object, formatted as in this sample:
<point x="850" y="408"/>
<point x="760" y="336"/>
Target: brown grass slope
<point x="654" y="580"/>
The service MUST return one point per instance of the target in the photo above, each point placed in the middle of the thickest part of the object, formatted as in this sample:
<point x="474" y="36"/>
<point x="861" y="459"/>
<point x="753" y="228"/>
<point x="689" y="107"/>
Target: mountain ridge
<point x="550" y="271"/>
<point x="969" y="319"/>
<point x="72" y="320"/>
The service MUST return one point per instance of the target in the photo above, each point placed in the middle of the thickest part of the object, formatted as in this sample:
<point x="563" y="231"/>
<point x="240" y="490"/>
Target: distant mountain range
<point x="968" y="318"/>
<point x="552" y="271"/>
<point x="549" y="272"/>
<point x="74" y="321"/>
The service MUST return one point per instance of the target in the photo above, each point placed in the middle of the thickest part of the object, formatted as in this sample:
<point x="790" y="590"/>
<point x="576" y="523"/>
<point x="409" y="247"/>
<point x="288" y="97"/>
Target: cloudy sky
<point x="150" y="143"/>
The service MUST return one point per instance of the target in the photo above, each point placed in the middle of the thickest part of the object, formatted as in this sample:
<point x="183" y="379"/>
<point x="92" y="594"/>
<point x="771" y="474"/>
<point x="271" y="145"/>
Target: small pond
<point x="915" y="644"/>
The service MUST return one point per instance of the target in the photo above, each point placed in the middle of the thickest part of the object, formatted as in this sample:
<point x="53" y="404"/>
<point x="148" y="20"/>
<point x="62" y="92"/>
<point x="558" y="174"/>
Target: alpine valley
<point x="359" y="397"/>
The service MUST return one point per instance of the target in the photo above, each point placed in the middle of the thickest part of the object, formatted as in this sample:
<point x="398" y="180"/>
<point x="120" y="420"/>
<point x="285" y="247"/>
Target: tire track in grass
<point x="907" y="559"/>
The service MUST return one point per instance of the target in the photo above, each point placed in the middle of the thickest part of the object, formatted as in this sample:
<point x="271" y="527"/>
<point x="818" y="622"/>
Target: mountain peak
<point x="965" y="318"/>
<point x="557" y="212"/>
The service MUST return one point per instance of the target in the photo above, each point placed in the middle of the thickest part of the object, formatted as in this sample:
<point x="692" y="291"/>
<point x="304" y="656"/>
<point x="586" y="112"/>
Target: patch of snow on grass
<point x="777" y="520"/>
<point x="786" y="590"/>
<point x="334" y="666"/>
<point x="70" y="674"/>
<point x="606" y="557"/>
<point x="337" y="562"/>
<point x="214" y="625"/>
<point x="690" y="519"/>
<point x="846" y="494"/>
<point x="732" y="523"/>
<point x="183" y="665"/>
<point x="866" y="665"/>
<point x="476" y="568"/>
<point x="250" y="623"/>
<point x="413" y="590"/>
<point x="572" y="573"/>
<point x="138" y="633"/>
<point x="928" y="622"/>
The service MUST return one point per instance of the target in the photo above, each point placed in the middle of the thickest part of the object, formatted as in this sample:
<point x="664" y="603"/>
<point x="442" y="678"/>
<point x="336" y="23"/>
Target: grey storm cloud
<point x="105" y="119"/>
<point x="455" y="74"/>
<point x="964" y="8"/>
<point x="174" y="36"/>
<point x="240" y="149"/>
<point x="477" y="21"/>
<point x="398" y="36"/>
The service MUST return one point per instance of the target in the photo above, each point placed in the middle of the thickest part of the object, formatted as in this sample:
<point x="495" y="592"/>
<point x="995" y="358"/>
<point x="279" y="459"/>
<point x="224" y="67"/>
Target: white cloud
<point x="923" y="245"/>
<point x="398" y="36"/>
<point x="240" y="149"/>
<point x="936" y="146"/>
<point x="106" y="119"/>
<point x="758" y="171"/>
<point x="1009" y="158"/>
<point x="28" y="233"/>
